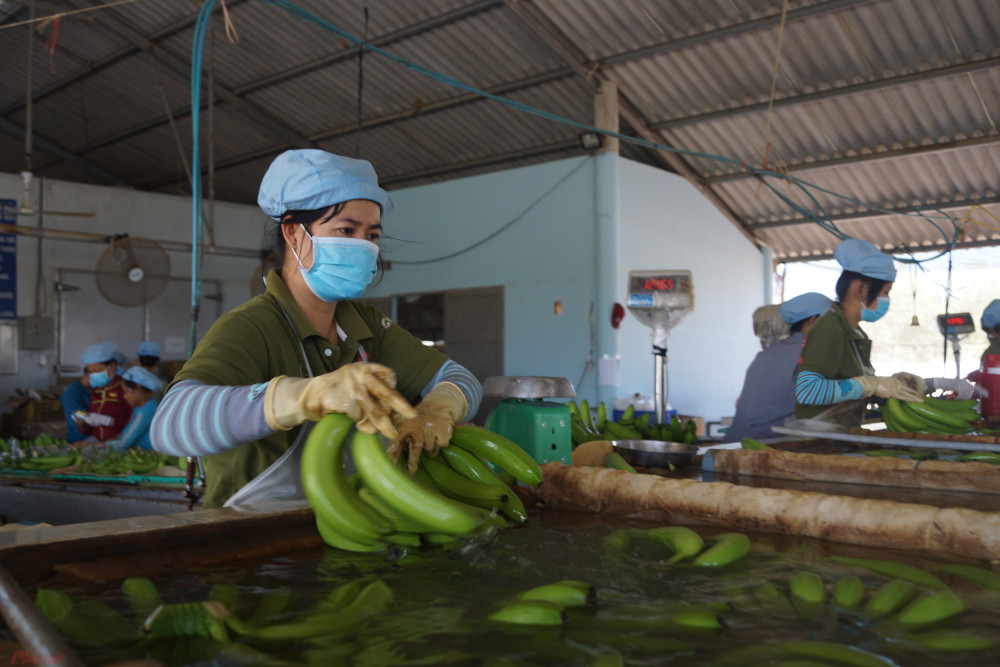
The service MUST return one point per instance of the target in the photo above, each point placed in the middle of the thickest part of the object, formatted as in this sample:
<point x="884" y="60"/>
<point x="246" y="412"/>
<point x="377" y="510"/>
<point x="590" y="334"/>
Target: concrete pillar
<point x="605" y="243"/>
<point x="768" y="256"/>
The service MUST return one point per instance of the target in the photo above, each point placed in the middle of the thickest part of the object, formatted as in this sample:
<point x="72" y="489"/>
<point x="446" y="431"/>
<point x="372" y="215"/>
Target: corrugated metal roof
<point x="874" y="104"/>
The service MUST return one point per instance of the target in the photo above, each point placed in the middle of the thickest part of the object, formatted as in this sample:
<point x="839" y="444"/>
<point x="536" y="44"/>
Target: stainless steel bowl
<point x="655" y="453"/>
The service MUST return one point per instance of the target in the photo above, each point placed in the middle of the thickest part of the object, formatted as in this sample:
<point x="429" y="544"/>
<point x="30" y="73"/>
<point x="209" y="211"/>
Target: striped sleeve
<point x="460" y="376"/>
<point x="813" y="388"/>
<point x="197" y="419"/>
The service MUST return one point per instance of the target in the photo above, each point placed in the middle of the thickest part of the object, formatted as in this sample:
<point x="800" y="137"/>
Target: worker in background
<point x="75" y="399"/>
<point x="305" y="348"/>
<point x="990" y="323"/>
<point x="108" y="412"/>
<point x="149" y="356"/>
<point x="121" y="362"/>
<point x="768" y="395"/>
<point x="142" y="390"/>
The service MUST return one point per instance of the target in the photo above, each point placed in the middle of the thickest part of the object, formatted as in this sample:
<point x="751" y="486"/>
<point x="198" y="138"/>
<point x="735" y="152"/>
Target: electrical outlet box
<point x="35" y="333"/>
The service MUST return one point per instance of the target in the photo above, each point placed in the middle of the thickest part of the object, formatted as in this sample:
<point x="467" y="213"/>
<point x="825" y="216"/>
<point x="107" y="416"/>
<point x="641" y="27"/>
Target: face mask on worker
<point x="341" y="268"/>
<point x="100" y="379"/>
<point x="875" y="314"/>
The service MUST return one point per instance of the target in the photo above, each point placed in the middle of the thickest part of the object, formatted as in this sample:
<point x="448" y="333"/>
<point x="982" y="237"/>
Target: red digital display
<point x="956" y="319"/>
<point x="660" y="284"/>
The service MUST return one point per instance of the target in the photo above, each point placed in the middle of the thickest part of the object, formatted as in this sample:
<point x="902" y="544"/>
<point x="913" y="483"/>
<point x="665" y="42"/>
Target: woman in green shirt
<point x="835" y="377"/>
<point x="269" y="368"/>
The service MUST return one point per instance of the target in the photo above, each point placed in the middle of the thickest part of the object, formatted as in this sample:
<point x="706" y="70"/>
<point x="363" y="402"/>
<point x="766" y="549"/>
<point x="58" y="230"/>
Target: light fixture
<point x="590" y="141"/>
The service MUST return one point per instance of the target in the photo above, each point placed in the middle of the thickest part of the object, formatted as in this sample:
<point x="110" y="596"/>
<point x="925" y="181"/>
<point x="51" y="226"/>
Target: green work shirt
<point x="837" y="351"/>
<point x="254" y="343"/>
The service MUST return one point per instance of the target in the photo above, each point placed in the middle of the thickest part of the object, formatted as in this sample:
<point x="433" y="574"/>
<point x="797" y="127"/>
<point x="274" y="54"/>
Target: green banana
<point x="684" y="542"/>
<point x="753" y="443"/>
<point x="617" y="462"/>
<point x="980" y="457"/>
<point x="892" y="453"/>
<point x="325" y="484"/>
<point x="618" y="432"/>
<point x="565" y="594"/>
<point x="188" y="619"/>
<point x="399" y="522"/>
<point x="930" y="609"/>
<point x="950" y="640"/>
<point x="628" y="415"/>
<point x="574" y="409"/>
<point x="602" y="416"/>
<point x="142" y="596"/>
<point x="530" y="612"/>
<point x="489" y="496"/>
<point x="977" y="575"/>
<point x="620" y="540"/>
<point x="587" y="418"/>
<point x="499" y="451"/>
<point x="936" y="416"/>
<point x="776" y="652"/>
<point x="808" y="592"/>
<point x="890" y="598"/>
<point x="895" y="570"/>
<point x="334" y="538"/>
<point x="699" y="619"/>
<point x="404" y="539"/>
<point x="849" y="592"/>
<point x="907" y="422"/>
<point x="728" y="548"/>
<point x="468" y="464"/>
<point x="272" y="605"/>
<point x="956" y="404"/>
<point x="405" y="494"/>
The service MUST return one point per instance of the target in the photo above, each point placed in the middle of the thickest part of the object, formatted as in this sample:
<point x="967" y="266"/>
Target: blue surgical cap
<point x="865" y="258"/>
<point x="804" y="306"/>
<point x="99" y="353"/>
<point x="148" y="348"/>
<point x="309" y="180"/>
<point x="143" y="378"/>
<point x="119" y="356"/>
<point x="991" y="316"/>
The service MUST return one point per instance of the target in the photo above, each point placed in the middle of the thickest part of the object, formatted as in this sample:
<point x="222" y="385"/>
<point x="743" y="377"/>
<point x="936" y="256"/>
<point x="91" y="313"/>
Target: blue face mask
<point x="875" y="314"/>
<point x="100" y="379"/>
<point x="341" y="268"/>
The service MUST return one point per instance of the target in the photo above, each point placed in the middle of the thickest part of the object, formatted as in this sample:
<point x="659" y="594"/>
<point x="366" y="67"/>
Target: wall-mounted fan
<point x="132" y="271"/>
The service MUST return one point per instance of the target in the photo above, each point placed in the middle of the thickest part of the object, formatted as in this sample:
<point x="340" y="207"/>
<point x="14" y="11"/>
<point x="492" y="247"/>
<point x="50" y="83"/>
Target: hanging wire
<point x="361" y="83"/>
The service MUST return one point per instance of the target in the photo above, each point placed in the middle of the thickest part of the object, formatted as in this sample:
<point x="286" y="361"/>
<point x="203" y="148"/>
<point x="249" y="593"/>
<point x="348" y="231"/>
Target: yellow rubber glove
<point x="914" y="382"/>
<point x="430" y="431"/>
<point x="889" y="387"/>
<point x="365" y="392"/>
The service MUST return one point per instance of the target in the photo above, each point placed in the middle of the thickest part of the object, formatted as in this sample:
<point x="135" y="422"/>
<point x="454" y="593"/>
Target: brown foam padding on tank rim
<point x="872" y="523"/>
<point x="873" y="470"/>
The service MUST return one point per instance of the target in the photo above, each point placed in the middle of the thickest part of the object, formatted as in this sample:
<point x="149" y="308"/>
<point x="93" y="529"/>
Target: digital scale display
<point x="956" y="323"/>
<point x="667" y="282"/>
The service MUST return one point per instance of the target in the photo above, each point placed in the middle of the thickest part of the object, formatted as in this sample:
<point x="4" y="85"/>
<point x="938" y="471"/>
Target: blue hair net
<point x="865" y="258"/>
<point x="804" y="306"/>
<point x="143" y="378"/>
<point x="310" y="179"/>
<point x="99" y="353"/>
<point x="991" y="316"/>
<point x="148" y="348"/>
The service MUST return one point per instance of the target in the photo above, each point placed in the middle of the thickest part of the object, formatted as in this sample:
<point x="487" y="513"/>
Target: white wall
<point x="665" y="223"/>
<point x="544" y="256"/>
<point x="116" y="211"/>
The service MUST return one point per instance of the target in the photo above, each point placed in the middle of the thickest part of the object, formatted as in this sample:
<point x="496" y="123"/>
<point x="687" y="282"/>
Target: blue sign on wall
<point x="8" y="262"/>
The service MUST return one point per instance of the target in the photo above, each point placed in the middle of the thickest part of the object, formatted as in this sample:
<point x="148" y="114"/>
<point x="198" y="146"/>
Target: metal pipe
<point x="31" y="627"/>
<point x="659" y="385"/>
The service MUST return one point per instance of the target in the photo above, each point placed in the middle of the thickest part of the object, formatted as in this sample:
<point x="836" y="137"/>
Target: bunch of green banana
<point x="545" y="604"/>
<point x="992" y="458"/>
<point x="933" y="415"/>
<point x="586" y="426"/>
<point x="686" y="544"/>
<point x="454" y="494"/>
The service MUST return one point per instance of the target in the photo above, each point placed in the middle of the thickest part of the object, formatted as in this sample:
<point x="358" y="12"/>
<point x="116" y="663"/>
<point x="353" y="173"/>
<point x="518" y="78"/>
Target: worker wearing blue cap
<point x="768" y="395"/>
<point x="108" y="412"/>
<point x="306" y="348"/>
<point x="990" y="323"/>
<point x="835" y="377"/>
<point x="142" y="391"/>
<point x="149" y="356"/>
